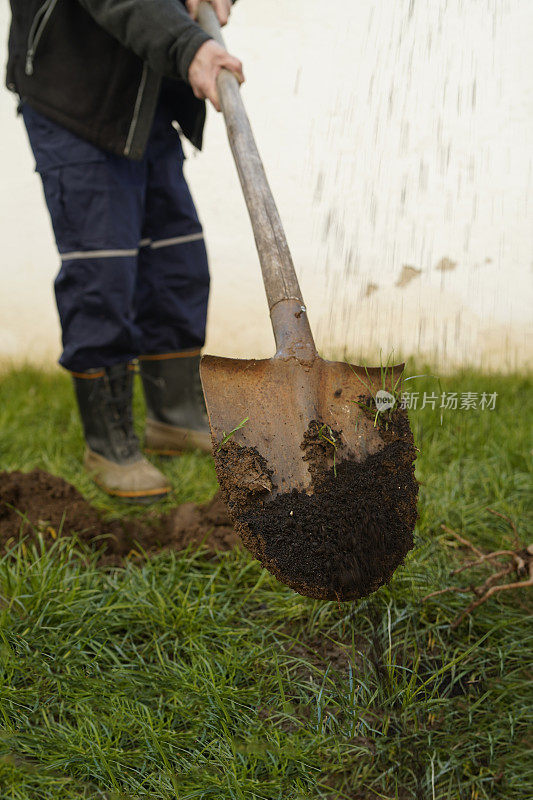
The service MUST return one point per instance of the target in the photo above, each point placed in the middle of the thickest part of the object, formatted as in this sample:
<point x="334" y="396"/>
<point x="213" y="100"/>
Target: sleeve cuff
<point x="188" y="52"/>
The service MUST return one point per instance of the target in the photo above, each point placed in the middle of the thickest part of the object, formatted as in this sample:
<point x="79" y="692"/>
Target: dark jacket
<point x="96" y="66"/>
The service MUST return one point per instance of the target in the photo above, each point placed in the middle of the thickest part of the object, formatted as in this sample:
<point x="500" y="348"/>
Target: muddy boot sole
<point x="137" y="482"/>
<point x="167" y="440"/>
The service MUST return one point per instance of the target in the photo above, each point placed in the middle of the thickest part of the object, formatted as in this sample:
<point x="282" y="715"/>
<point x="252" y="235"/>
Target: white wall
<point x="395" y="134"/>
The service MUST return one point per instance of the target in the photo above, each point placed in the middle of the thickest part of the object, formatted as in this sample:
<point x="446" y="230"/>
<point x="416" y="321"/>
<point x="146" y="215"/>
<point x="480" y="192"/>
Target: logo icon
<point x="384" y="400"/>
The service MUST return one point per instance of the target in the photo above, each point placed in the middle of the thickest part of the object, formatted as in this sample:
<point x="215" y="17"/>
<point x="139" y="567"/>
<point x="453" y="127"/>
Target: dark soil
<point x="36" y="501"/>
<point x="345" y="538"/>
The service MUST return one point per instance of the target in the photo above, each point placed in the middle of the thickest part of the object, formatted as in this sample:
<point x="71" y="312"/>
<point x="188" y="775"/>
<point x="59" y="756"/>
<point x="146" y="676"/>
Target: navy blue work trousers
<point x="134" y="277"/>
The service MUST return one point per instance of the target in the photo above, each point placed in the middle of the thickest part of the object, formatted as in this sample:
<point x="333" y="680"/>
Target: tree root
<point x="519" y="561"/>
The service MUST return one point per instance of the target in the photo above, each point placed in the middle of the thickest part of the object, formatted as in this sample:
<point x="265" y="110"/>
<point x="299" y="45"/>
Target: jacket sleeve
<point x="161" y="32"/>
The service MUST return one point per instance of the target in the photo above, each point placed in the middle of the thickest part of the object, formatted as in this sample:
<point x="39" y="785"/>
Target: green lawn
<point x="188" y="677"/>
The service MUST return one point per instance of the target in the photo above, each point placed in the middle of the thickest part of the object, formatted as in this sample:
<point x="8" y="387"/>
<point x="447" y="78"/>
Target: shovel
<point x="314" y="458"/>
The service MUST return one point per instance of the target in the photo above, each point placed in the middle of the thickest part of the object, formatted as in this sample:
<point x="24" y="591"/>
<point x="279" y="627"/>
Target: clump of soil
<point x="344" y="538"/>
<point x="320" y="450"/>
<point x="246" y="472"/>
<point x="37" y="501"/>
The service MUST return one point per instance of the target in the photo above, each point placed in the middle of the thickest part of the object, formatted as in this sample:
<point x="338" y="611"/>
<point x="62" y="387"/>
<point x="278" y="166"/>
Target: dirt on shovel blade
<point x="37" y="502"/>
<point x="345" y="539"/>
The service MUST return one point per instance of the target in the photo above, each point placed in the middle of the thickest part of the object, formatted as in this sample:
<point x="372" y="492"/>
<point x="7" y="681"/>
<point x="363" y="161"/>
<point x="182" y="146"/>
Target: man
<point x="101" y="83"/>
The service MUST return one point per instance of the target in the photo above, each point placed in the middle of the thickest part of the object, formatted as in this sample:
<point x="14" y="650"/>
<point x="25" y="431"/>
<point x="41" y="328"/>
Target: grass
<point x="227" y="436"/>
<point x="187" y="677"/>
<point x="329" y="438"/>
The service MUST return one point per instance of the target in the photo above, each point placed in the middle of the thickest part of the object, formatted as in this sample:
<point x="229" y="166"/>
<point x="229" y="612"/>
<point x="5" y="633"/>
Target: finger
<point x="198" y="92"/>
<point x="212" y="95"/>
<point x="192" y="7"/>
<point x="222" y="11"/>
<point x="234" y="65"/>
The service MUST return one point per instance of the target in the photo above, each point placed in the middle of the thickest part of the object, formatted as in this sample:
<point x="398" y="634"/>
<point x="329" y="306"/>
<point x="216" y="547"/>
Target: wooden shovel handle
<point x="287" y="309"/>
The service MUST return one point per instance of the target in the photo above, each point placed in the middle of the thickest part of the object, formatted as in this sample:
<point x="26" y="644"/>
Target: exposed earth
<point x="37" y="501"/>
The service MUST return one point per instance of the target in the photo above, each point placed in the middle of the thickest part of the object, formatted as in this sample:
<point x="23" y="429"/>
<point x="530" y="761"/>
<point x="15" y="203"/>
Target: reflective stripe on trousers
<point x="134" y="276"/>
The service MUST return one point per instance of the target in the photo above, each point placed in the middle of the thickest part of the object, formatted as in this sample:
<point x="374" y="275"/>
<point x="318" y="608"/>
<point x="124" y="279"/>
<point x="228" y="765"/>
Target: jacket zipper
<point x="38" y="25"/>
<point x="136" y="110"/>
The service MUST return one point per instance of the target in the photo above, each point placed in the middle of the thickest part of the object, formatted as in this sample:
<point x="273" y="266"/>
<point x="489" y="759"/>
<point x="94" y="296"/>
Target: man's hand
<point x="210" y="58"/>
<point x="222" y="9"/>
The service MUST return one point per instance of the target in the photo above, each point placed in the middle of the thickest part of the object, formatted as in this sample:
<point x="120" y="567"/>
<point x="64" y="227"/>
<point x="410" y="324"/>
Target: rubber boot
<point x="176" y="419"/>
<point x="112" y="457"/>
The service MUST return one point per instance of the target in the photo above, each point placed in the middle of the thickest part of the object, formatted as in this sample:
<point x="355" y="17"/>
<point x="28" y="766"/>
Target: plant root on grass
<point x="519" y="562"/>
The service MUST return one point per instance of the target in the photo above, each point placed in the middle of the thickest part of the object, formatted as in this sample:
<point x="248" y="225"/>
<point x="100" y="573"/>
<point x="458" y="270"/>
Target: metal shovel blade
<point x="319" y="485"/>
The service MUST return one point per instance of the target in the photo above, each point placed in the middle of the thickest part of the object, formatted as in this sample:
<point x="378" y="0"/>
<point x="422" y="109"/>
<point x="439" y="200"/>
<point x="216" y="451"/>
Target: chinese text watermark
<point x="449" y="401"/>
